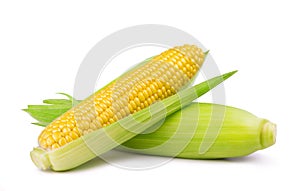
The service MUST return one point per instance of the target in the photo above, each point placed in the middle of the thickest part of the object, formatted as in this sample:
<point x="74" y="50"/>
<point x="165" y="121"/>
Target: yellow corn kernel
<point x="50" y="141"/>
<point x="159" y="78"/>
<point x="73" y="135"/>
<point x="56" y="136"/>
<point x="55" y="146"/>
<point x="68" y="138"/>
<point x="62" y="141"/>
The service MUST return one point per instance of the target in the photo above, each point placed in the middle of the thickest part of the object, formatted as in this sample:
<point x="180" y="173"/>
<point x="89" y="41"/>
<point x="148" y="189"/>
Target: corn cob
<point x="161" y="77"/>
<point x="102" y="140"/>
<point x="183" y="133"/>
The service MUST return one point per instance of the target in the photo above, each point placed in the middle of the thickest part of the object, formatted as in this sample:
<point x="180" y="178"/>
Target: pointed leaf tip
<point x="206" y="52"/>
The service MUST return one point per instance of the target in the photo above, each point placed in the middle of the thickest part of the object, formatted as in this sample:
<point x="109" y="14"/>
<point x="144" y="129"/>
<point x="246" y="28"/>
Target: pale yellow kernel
<point x="116" y="105"/>
<point x="97" y="121"/>
<point x="119" y="116"/>
<point x="84" y="124"/>
<point x="123" y="112"/>
<point x="90" y="116"/>
<point x="88" y="131"/>
<point x="92" y="126"/>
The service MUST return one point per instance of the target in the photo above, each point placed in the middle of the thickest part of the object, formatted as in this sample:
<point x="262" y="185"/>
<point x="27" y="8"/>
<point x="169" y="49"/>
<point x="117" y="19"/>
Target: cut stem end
<point x="268" y="134"/>
<point x="40" y="158"/>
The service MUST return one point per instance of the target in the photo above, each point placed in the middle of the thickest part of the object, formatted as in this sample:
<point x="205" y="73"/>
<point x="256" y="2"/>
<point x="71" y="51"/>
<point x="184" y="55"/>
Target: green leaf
<point x="57" y="101"/>
<point x="74" y="101"/>
<point x="50" y="110"/>
<point x="40" y="124"/>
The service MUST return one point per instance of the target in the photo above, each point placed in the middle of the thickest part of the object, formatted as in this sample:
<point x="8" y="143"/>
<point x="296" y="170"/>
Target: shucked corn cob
<point x="161" y="77"/>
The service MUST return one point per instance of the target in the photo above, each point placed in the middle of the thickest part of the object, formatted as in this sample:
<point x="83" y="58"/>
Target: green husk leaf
<point x="58" y="101"/>
<point x="50" y="110"/>
<point x="182" y="133"/>
<point x="74" y="101"/>
<point x="42" y="124"/>
<point x="46" y="115"/>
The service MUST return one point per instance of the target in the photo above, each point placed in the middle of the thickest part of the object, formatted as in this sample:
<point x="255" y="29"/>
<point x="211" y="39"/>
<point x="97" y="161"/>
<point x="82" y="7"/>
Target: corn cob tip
<point x="40" y="158"/>
<point x="268" y="134"/>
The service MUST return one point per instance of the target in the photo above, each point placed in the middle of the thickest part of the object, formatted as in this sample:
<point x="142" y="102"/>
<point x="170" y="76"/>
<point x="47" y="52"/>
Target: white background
<point x="43" y="43"/>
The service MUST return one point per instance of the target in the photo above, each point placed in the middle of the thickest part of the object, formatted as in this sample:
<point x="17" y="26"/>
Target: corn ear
<point x="102" y="140"/>
<point x="241" y="133"/>
<point x="182" y="135"/>
<point x="160" y="77"/>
